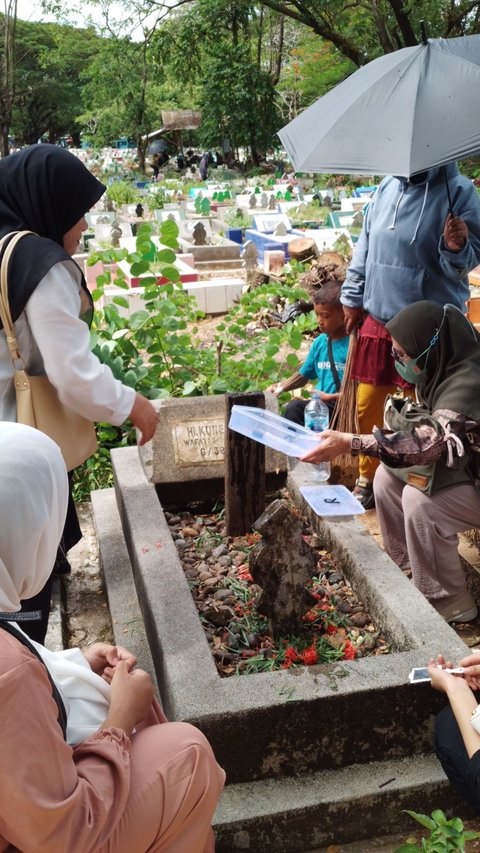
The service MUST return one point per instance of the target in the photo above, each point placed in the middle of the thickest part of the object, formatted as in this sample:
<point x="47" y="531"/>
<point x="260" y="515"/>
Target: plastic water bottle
<point x="317" y="417"/>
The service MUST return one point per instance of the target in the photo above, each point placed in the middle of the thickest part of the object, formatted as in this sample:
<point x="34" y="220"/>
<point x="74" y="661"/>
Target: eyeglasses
<point x="399" y="356"/>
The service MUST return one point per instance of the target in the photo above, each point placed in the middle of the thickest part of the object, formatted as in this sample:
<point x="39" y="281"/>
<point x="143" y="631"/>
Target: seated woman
<point x="425" y="491"/>
<point x="457" y="742"/>
<point x="134" y="783"/>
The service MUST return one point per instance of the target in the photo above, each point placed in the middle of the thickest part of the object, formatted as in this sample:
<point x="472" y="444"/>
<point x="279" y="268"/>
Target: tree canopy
<point x="249" y="66"/>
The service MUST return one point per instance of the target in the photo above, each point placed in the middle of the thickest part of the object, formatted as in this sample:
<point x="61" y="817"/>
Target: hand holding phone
<point x="420" y="674"/>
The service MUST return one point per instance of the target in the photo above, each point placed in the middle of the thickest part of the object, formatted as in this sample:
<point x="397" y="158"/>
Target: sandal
<point x="364" y="495"/>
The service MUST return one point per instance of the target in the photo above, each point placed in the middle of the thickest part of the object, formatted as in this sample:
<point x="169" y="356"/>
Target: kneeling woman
<point x="425" y="491"/>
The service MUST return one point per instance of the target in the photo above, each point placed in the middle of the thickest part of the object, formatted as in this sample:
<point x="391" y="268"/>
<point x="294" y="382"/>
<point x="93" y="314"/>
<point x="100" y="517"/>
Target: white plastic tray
<point x="272" y="430"/>
<point x="331" y="500"/>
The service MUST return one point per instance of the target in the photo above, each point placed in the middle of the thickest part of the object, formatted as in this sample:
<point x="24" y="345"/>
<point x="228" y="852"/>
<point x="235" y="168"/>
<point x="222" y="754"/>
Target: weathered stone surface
<point x="282" y="564"/>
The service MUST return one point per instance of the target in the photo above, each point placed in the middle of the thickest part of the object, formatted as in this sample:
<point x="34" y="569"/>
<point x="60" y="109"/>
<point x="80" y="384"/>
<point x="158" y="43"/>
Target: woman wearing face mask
<point x="88" y="761"/>
<point x="47" y="190"/>
<point x="426" y="490"/>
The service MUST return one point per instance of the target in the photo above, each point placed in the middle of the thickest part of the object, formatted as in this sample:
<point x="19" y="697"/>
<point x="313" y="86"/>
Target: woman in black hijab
<point x="47" y="190"/>
<point x="426" y="491"/>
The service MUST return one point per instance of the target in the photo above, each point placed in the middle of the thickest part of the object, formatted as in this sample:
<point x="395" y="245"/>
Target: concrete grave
<point x="314" y="753"/>
<point x="185" y="458"/>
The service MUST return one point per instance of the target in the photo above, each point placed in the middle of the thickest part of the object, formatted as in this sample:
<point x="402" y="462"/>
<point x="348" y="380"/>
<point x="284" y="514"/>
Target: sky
<point x="31" y="10"/>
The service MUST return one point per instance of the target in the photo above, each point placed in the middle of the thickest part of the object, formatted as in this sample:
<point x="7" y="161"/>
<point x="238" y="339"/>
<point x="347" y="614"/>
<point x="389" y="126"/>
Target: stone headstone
<point x="282" y="564"/>
<point x="115" y="234"/>
<point x="139" y="210"/>
<point x="249" y="256"/>
<point x="264" y="200"/>
<point x="108" y="204"/>
<point x="280" y="230"/>
<point x="272" y="203"/>
<point x="252" y="202"/>
<point x="300" y="193"/>
<point x="327" y="201"/>
<point x="185" y="458"/>
<point x="357" y="221"/>
<point x="199" y="235"/>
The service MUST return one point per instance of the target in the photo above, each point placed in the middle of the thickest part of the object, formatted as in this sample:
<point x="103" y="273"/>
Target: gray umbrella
<point x="403" y="113"/>
<point x="157" y="147"/>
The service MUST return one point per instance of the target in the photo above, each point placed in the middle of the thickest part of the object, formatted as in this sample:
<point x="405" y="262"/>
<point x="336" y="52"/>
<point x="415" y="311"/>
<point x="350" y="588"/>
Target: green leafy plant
<point x="123" y="192"/>
<point x="157" y="199"/>
<point x="446" y="836"/>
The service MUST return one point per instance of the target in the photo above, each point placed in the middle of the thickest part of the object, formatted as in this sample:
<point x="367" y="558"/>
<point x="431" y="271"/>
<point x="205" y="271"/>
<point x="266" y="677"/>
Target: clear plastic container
<point x="272" y="430"/>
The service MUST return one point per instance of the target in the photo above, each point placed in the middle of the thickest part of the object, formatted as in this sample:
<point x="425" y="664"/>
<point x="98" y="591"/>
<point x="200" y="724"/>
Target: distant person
<point x="326" y="359"/>
<point x="203" y="166"/>
<point x="410" y="248"/>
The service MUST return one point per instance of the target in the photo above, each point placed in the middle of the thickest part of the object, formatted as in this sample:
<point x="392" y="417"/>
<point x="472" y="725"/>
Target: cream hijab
<point x="33" y="505"/>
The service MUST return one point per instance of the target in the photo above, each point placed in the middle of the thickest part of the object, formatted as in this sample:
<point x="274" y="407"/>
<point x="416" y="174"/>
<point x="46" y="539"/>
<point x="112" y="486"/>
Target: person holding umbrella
<point x="420" y="238"/>
<point x="426" y="490"/>
<point x="411" y="113"/>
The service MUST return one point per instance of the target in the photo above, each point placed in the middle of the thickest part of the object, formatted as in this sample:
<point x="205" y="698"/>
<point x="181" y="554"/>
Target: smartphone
<point x="420" y="673"/>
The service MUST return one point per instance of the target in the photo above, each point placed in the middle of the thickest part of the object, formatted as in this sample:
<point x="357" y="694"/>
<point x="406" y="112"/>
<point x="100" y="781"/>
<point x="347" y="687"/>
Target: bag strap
<point x="62" y="714"/>
<point x="333" y="366"/>
<point x="5" y="314"/>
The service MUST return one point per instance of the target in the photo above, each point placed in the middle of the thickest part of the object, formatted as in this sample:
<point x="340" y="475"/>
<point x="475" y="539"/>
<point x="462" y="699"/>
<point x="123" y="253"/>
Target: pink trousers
<point x="175" y="784"/>
<point x="420" y="531"/>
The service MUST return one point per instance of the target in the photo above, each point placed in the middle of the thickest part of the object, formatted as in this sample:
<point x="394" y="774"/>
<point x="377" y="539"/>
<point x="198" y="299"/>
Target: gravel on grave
<point x="217" y="571"/>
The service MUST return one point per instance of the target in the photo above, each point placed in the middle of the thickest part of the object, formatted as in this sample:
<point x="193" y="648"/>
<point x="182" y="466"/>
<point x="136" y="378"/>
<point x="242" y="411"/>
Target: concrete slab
<point x="126" y="616"/>
<point x="332" y="807"/>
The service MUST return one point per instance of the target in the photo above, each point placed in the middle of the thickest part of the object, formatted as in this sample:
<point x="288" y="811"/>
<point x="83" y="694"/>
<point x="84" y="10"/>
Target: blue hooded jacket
<point x="401" y="256"/>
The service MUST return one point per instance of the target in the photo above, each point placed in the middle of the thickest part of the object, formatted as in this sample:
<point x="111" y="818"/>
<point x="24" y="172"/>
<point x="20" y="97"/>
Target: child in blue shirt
<point x="330" y="345"/>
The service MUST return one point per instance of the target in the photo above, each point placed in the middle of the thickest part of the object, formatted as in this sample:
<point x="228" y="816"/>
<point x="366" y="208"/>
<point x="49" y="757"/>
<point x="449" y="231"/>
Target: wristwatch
<point x="356" y="445"/>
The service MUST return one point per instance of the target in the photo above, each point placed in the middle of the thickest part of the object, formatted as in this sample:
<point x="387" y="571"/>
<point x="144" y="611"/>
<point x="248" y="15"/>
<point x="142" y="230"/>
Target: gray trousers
<point x="420" y="532"/>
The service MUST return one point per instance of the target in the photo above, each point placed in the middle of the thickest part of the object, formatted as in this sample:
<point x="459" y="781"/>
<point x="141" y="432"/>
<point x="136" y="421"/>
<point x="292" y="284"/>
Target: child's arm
<point x="295" y="381"/>
<point x="328" y="397"/>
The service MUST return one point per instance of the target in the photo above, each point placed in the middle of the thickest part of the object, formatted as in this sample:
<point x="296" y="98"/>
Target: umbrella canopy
<point x="403" y="113"/>
<point x="157" y="147"/>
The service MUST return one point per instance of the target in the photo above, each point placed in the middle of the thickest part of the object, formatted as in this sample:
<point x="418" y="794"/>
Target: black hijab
<point x="45" y="189"/>
<point x="452" y="364"/>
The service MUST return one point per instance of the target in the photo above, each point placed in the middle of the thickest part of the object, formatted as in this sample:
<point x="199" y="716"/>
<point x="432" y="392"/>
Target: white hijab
<point x="33" y="505"/>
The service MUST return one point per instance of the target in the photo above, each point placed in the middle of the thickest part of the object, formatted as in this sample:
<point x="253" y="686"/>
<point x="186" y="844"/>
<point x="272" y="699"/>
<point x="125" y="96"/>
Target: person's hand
<point x="445" y="681"/>
<point x="275" y="388"/>
<point x="103" y="658"/>
<point x="455" y="233"/>
<point x="144" y="417"/>
<point x="471" y="665"/>
<point x="353" y="318"/>
<point x="331" y="444"/>
<point x="131" y="698"/>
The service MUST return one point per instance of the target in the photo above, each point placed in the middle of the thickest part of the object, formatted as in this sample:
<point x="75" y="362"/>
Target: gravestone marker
<point x="264" y="200"/>
<point x="272" y="203"/>
<point x="249" y="256"/>
<point x="252" y="201"/>
<point x="244" y="471"/>
<point x="282" y="564"/>
<point x="199" y="235"/>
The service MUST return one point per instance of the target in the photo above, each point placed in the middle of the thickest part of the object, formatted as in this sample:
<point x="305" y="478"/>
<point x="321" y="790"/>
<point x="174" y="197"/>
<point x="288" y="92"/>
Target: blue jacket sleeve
<point x="354" y="284"/>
